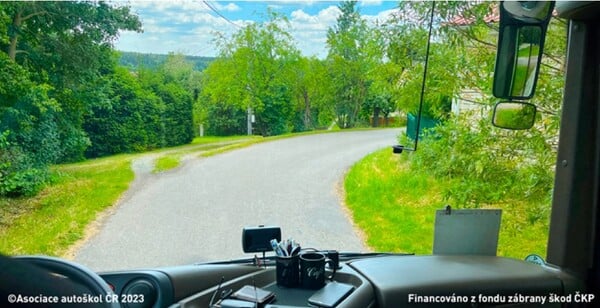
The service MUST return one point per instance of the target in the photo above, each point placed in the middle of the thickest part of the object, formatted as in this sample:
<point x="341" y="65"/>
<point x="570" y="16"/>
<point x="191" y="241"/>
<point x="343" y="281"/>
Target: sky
<point x="188" y="27"/>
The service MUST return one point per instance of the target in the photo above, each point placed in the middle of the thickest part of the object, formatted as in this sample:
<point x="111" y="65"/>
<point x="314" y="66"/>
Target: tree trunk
<point x="307" y="115"/>
<point x="376" y="116"/>
<point x="14" y="36"/>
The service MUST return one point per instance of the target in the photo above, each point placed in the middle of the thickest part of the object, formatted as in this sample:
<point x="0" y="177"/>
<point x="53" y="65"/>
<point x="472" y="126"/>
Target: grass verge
<point x="395" y="207"/>
<point x="52" y="221"/>
<point x="165" y="163"/>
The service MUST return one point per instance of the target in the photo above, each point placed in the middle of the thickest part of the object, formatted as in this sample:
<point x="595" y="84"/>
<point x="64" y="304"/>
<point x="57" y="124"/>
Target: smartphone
<point x="331" y="294"/>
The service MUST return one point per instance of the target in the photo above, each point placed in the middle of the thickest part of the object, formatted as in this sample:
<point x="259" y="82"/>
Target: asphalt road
<point x="196" y="213"/>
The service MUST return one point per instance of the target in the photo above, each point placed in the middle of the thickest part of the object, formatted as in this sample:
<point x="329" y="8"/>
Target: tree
<point x="219" y="104"/>
<point x="311" y="86"/>
<point x="173" y="83"/>
<point x="129" y="121"/>
<point x="29" y="137"/>
<point x="407" y="36"/>
<point x="480" y="159"/>
<point x="144" y="110"/>
<point x="353" y="52"/>
<point x="53" y="56"/>
<point x="252" y="74"/>
<point x="67" y="45"/>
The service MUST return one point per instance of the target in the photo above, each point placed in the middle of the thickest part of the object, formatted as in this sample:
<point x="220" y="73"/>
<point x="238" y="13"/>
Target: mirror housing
<point x="514" y="115"/>
<point x="523" y="26"/>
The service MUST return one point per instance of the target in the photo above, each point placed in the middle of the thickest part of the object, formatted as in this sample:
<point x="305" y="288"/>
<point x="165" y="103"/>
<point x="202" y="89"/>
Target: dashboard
<point x="385" y="281"/>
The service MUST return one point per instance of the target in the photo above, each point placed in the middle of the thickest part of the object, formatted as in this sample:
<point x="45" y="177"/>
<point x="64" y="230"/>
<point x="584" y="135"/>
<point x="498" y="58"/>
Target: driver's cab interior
<point x="569" y="277"/>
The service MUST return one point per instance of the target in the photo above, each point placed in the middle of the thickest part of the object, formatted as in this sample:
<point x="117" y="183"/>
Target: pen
<point x="275" y="247"/>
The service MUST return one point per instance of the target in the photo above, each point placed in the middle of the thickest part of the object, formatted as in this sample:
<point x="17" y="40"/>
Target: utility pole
<point x="250" y="120"/>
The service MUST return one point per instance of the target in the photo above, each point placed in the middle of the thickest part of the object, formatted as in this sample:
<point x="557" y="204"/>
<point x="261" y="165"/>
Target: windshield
<point x="150" y="133"/>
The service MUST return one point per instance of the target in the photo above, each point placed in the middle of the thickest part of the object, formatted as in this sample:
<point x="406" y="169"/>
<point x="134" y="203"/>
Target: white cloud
<point x="175" y="26"/>
<point x="381" y="16"/>
<point x="300" y="15"/>
<point x="190" y="26"/>
<point x="330" y="14"/>
<point x="370" y="2"/>
<point x="230" y="7"/>
<point x="161" y="6"/>
<point x="287" y="2"/>
<point x="310" y="31"/>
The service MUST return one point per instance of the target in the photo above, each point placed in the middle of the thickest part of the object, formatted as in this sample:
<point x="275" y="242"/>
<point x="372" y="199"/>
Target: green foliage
<point x="177" y="117"/>
<point x="253" y="72"/>
<point x="147" y="110"/>
<point x="30" y="138"/>
<point x="260" y="69"/>
<point x="53" y="54"/>
<point x="225" y="120"/>
<point x="129" y="121"/>
<point x="354" y="51"/>
<point x="441" y="84"/>
<point x="18" y="173"/>
<point x="486" y="165"/>
<point x="483" y="165"/>
<point x="311" y="85"/>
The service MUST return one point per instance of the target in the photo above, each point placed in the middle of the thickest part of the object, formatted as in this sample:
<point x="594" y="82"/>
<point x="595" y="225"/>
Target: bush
<point x="486" y="164"/>
<point x="225" y="120"/>
<point x="17" y="175"/>
<point x="139" y="115"/>
<point x="30" y="137"/>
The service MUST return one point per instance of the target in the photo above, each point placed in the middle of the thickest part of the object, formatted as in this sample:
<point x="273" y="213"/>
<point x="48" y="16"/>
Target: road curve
<point x="196" y="213"/>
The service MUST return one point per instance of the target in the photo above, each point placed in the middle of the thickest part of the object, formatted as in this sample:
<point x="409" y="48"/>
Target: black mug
<point x="312" y="270"/>
<point x="287" y="273"/>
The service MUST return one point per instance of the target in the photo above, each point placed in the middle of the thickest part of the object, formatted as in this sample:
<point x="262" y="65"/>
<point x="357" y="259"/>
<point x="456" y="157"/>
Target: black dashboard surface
<point x="386" y="281"/>
<point x="396" y="278"/>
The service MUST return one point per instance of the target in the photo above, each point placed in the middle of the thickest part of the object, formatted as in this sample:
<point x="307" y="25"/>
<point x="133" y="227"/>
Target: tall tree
<point x="62" y="50"/>
<point x="311" y="85"/>
<point x="67" y="45"/>
<point x="353" y="52"/>
<point x="252" y="74"/>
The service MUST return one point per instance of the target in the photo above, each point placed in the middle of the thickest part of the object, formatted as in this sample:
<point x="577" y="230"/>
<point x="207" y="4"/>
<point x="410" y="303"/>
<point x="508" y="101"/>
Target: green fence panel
<point x="411" y="125"/>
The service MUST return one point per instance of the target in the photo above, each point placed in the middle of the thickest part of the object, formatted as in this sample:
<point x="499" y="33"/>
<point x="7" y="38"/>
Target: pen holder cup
<point x="287" y="271"/>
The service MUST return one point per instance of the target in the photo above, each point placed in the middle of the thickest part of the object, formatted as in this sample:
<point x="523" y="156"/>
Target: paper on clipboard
<point x="466" y="232"/>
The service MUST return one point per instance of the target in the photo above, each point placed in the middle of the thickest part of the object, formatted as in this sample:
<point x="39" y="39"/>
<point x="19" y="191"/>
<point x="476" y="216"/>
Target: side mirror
<point x="514" y="115"/>
<point x="523" y="26"/>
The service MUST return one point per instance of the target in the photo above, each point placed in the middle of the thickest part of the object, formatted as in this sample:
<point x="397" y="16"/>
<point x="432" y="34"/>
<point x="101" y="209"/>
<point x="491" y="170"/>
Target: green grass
<point x="165" y="163"/>
<point x="55" y="219"/>
<point x="233" y="146"/>
<point x="214" y="139"/>
<point x="244" y="142"/>
<point x="395" y="207"/>
<point x="171" y="157"/>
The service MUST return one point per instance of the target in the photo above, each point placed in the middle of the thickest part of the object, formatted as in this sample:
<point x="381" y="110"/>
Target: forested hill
<point x="153" y="61"/>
